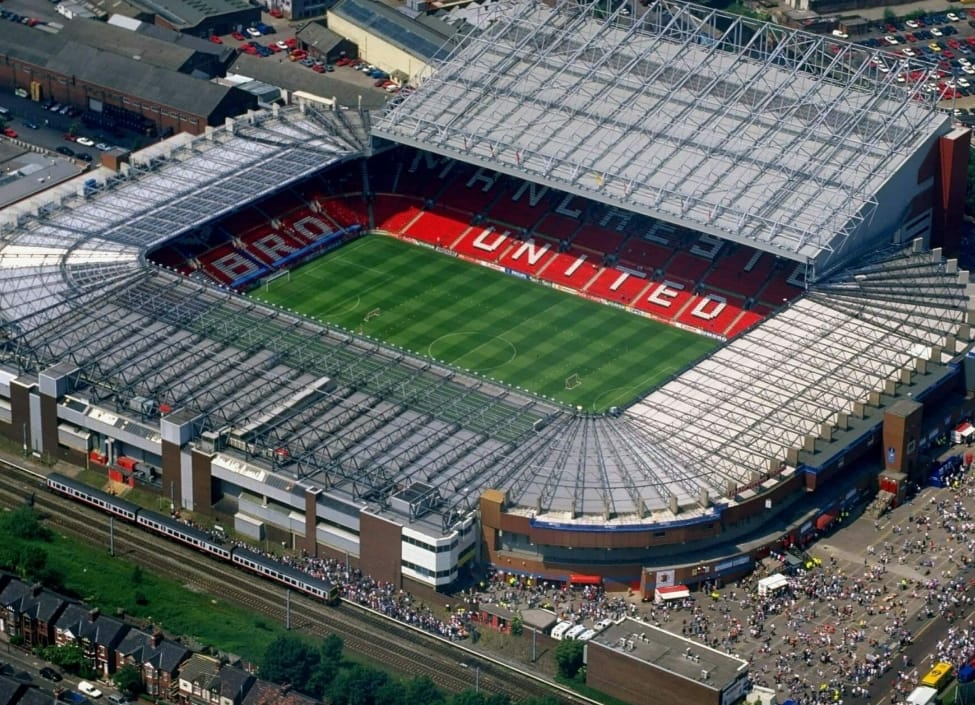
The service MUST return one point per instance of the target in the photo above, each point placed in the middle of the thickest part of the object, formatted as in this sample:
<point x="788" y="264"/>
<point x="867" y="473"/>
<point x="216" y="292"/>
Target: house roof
<point x="9" y="690"/>
<point x="165" y="656"/>
<point x="80" y="622"/>
<point x="199" y="669"/>
<point x="234" y="683"/>
<point x="266" y="693"/>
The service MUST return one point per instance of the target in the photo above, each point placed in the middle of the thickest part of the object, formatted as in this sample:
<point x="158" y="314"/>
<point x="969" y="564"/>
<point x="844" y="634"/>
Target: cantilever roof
<point x="752" y="132"/>
<point x="86" y="245"/>
<point x="372" y="419"/>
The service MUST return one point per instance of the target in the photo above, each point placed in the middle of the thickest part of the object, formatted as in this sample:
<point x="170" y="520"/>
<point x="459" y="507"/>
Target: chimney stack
<point x="156" y="637"/>
<point x="93" y="614"/>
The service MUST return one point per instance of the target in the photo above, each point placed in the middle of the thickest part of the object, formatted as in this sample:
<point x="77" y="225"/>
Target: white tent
<point x="772" y="584"/>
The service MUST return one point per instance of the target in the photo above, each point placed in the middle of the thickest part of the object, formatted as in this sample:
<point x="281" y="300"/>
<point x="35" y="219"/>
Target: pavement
<point x="874" y="614"/>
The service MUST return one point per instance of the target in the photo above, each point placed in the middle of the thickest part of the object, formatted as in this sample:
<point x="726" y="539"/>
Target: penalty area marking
<point x="625" y="393"/>
<point x="488" y="340"/>
<point x="342" y="309"/>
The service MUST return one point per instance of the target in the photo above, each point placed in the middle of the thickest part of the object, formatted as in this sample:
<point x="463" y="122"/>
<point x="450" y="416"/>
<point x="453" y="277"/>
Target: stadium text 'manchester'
<point x="747" y="183"/>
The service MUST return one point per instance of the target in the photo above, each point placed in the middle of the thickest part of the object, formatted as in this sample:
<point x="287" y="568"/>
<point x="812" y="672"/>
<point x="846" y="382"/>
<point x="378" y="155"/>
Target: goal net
<point x="572" y="381"/>
<point x="283" y="274"/>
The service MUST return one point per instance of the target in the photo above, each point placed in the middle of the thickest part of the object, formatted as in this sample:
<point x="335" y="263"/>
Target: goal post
<point x="284" y="273"/>
<point x="572" y="381"/>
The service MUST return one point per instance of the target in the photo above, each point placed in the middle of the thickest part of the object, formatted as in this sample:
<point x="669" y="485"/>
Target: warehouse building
<point x="116" y="90"/>
<point x="644" y="665"/>
<point x="389" y="38"/>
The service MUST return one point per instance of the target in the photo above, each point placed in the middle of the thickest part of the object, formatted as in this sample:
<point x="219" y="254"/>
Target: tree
<point x="31" y="561"/>
<point x="419" y="690"/>
<point x="289" y="659"/>
<point x="128" y="679"/>
<point x="70" y="658"/>
<point x="568" y="656"/>
<point x="137" y="575"/>
<point x="358" y="685"/>
<point x="517" y="626"/>
<point x="330" y="660"/>
<point x="23" y="523"/>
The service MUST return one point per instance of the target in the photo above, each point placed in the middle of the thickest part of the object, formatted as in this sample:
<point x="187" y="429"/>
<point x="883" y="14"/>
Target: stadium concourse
<point x="125" y="345"/>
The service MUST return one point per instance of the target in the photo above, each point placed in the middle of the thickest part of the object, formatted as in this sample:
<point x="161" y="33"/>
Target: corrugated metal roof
<point x="395" y="27"/>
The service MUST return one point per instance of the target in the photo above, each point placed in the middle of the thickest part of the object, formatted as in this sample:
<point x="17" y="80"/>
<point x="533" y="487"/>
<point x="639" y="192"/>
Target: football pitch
<point x="545" y="341"/>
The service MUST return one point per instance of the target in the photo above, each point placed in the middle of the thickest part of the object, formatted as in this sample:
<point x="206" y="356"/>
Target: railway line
<point x="389" y="643"/>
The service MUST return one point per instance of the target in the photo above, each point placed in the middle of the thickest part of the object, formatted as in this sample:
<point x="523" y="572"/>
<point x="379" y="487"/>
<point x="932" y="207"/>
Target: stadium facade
<point x="327" y="440"/>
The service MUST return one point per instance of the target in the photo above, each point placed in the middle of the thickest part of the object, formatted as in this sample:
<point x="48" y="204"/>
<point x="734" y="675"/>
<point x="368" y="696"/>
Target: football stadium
<point x="606" y="299"/>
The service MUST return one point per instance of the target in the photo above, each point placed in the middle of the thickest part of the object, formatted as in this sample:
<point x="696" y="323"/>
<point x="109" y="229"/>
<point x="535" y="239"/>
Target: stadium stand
<point x="392" y="445"/>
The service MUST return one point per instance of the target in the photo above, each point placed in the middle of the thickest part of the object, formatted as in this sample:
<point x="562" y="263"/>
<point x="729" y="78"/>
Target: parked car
<point x="48" y="672"/>
<point x="65" y="151"/>
<point x="90" y="690"/>
<point x="215" y="39"/>
<point x="85" y="142"/>
<point x="30" y="125"/>
<point x="253" y="32"/>
<point x="10" y="132"/>
<point x="276" y="12"/>
<point x="84" y="156"/>
<point x="238" y="36"/>
<point x="102" y="147"/>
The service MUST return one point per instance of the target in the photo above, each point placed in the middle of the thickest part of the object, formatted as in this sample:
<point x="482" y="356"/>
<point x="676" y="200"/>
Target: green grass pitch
<point x="527" y="335"/>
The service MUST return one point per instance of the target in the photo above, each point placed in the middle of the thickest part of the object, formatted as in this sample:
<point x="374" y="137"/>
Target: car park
<point x="50" y="674"/>
<point x="90" y="690"/>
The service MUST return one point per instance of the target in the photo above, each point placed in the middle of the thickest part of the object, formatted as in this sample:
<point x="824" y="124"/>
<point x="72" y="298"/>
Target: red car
<point x="248" y="49"/>
<point x="71" y="138"/>
<point x="273" y="47"/>
<point x="291" y="42"/>
<point x="318" y="68"/>
<point x="276" y="12"/>
<point x="215" y="39"/>
<point x="239" y="37"/>
<point x="10" y="132"/>
<point x="298" y="55"/>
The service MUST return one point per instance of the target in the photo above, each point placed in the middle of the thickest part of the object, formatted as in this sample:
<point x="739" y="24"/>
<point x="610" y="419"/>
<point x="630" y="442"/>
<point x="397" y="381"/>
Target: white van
<point x="575" y="632"/>
<point x="587" y="635"/>
<point x="559" y="630"/>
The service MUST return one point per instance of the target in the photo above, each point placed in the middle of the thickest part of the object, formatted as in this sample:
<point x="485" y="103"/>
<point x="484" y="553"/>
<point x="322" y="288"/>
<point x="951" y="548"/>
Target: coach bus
<point x="938" y="677"/>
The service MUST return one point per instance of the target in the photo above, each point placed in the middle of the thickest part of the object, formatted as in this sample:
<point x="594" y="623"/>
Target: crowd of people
<point x="813" y="641"/>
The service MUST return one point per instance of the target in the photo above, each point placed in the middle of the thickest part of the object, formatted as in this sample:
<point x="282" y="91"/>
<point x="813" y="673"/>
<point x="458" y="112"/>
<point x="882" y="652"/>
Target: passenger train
<point x="157" y="523"/>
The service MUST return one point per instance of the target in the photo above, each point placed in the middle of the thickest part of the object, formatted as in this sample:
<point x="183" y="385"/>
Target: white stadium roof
<point x="385" y="418"/>
<point x="96" y="230"/>
<point x="748" y="131"/>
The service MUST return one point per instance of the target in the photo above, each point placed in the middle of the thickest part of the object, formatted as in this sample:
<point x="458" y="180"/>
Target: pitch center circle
<point x="474" y="351"/>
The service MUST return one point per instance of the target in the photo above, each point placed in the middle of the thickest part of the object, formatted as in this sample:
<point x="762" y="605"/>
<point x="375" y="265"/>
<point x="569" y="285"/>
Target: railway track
<point x="387" y="642"/>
